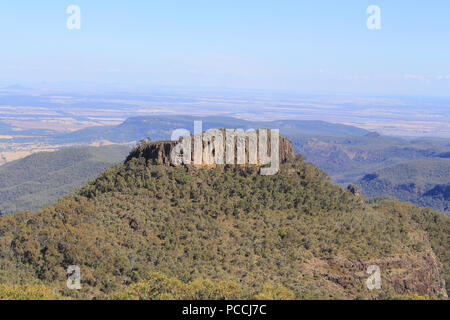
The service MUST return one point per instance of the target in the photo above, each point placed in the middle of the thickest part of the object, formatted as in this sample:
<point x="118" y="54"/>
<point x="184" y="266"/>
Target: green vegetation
<point x="40" y="179"/>
<point x="142" y="231"/>
<point x="28" y="292"/>
<point x="161" y="287"/>
<point x="424" y="182"/>
<point x="348" y="159"/>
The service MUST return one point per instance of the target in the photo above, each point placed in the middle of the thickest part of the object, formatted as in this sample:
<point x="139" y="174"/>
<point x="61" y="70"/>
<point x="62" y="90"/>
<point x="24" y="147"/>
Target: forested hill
<point x="424" y="182"/>
<point x="41" y="178"/>
<point x="145" y="231"/>
<point x="346" y="153"/>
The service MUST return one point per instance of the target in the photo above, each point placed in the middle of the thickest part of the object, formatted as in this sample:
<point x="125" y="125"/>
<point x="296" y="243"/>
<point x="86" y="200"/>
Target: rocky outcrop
<point x="159" y="153"/>
<point x="402" y="274"/>
<point x="154" y="152"/>
<point x="354" y="189"/>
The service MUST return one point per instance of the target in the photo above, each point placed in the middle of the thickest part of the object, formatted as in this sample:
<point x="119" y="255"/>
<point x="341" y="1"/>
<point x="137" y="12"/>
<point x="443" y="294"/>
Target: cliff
<point x="159" y="152"/>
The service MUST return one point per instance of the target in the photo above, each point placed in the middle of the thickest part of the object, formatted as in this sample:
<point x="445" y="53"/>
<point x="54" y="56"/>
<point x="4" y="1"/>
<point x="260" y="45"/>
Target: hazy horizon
<point x="297" y="46"/>
<point x="71" y="108"/>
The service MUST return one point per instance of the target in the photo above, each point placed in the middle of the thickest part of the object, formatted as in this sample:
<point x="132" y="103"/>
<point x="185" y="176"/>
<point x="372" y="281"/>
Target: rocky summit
<point x="159" y="152"/>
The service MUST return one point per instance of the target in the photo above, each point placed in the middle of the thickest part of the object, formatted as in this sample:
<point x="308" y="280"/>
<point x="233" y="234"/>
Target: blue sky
<point x="305" y="46"/>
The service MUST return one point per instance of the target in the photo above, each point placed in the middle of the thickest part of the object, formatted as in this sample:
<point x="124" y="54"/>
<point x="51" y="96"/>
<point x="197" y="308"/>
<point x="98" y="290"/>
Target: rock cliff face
<point x="159" y="152"/>
<point x="154" y="152"/>
<point x="404" y="274"/>
<point x="354" y="189"/>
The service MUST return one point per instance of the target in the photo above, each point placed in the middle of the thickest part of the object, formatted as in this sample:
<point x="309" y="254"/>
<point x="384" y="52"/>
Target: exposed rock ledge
<point x="159" y="152"/>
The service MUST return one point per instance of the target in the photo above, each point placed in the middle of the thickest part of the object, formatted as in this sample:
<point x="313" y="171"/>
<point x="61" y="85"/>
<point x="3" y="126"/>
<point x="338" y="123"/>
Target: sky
<point x="302" y="46"/>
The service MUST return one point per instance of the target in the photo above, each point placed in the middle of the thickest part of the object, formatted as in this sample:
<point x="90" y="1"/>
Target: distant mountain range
<point x="41" y="178"/>
<point x="160" y="128"/>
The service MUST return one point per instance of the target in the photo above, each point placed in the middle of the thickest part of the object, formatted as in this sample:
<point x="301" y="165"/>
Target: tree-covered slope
<point x="424" y="182"/>
<point x="41" y="178"/>
<point x="154" y="231"/>
<point x="348" y="159"/>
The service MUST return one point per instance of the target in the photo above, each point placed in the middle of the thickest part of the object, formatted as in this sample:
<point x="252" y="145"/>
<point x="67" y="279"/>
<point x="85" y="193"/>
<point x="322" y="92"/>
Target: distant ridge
<point x="14" y="87"/>
<point x="41" y="178"/>
<point x="424" y="182"/>
<point x="159" y="127"/>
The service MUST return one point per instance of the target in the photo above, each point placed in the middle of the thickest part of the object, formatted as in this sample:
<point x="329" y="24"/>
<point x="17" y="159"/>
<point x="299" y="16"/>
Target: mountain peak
<point x="222" y="147"/>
